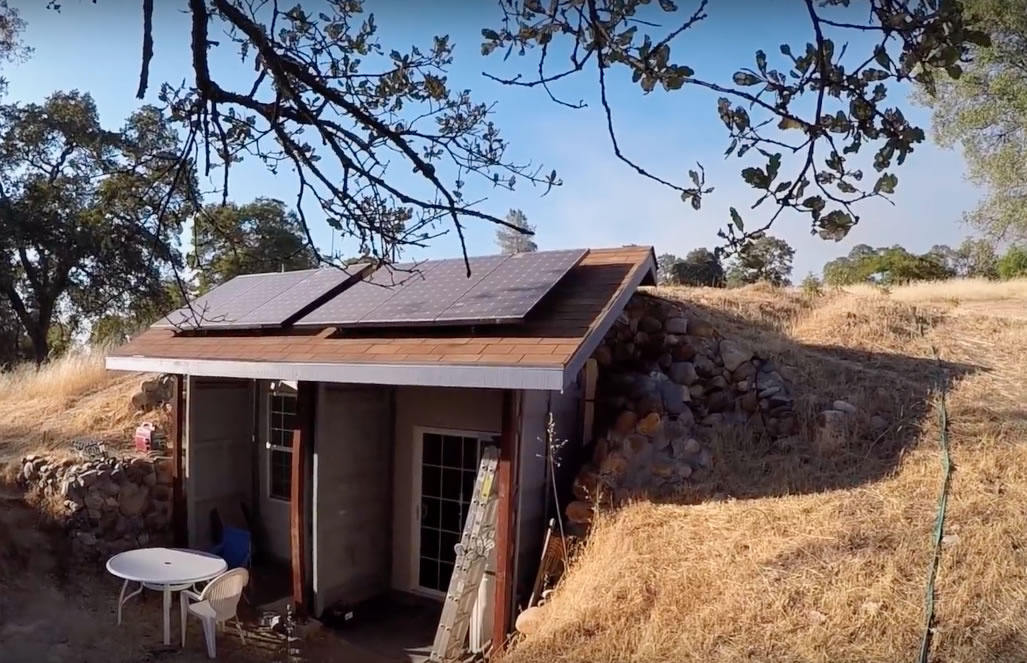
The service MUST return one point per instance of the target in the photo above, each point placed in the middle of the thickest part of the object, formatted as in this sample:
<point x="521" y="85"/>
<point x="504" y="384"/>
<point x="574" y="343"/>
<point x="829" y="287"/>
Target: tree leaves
<point x="736" y="219"/>
<point x="745" y="78"/>
<point x="886" y="183"/>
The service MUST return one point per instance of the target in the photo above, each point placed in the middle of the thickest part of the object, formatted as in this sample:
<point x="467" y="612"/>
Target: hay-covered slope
<point x="42" y="410"/>
<point x="787" y="555"/>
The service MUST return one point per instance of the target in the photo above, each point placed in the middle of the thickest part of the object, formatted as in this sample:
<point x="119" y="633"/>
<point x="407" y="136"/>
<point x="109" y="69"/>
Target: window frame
<point x="280" y="391"/>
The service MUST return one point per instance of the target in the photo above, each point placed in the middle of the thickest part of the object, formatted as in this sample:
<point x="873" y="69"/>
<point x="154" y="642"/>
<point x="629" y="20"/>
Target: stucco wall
<point x="478" y="410"/>
<point x="535" y="482"/>
<point x="352" y="493"/>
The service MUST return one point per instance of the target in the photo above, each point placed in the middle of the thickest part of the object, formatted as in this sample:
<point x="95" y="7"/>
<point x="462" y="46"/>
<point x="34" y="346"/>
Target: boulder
<point x="683" y="351"/>
<point x="164" y="470"/>
<point x="676" y="325"/>
<point x="649" y="424"/>
<point x="684" y="448"/>
<point x="832" y="430"/>
<point x="878" y="424"/>
<point x="696" y="390"/>
<point x="625" y="423"/>
<point x="674" y="397"/>
<point x="530" y="620"/>
<point x="749" y="402"/>
<point x="683" y="372"/>
<point x="701" y="328"/>
<point x="615" y="465"/>
<point x="649" y="324"/>
<point x="603" y="355"/>
<point x="93" y="502"/>
<point x="133" y="499"/>
<point x="733" y="354"/>
<point x="844" y="406"/>
<point x="746" y="371"/>
<point x="705" y="367"/>
<point x="719" y="401"/>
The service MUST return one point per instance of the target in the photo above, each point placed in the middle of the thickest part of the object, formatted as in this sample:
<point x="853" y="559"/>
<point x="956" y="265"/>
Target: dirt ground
<point x="55" y="612"/>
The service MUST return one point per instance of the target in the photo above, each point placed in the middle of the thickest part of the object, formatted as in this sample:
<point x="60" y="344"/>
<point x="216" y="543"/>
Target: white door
<point x="445" y="468"/>
<point x="278" y="422"/>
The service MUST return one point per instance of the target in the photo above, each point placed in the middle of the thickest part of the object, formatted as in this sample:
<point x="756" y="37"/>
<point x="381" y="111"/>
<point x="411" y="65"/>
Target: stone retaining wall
<point x="107" y="505"/>
<point x="667" y="380"/>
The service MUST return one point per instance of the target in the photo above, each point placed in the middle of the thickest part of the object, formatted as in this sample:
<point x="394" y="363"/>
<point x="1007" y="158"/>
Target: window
<point x="281" y="425"/>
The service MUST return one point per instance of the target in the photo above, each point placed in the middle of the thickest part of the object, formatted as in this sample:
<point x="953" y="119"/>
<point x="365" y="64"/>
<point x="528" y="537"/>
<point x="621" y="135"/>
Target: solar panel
<point x="500" y="289"/>
<point x="269" y="286"/>
<point x="207" y="306"/>
<point x="513" y="288"/>
<point x="292" y="301"/>
<point x="349" y="306"/>
<point x="420" y="300"/>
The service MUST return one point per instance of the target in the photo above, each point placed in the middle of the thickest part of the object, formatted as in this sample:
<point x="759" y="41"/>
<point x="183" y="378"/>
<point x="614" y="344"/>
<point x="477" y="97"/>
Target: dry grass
<point x="72" y="397"/>
<point x="790" y="555"/>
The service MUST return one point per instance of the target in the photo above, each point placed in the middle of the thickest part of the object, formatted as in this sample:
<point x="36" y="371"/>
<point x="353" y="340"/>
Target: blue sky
<point x="96" y="47"/>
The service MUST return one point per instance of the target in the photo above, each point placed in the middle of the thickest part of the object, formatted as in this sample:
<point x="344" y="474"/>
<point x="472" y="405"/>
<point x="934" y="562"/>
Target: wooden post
<point x="506" y="534"/>
<point x="179" y="528"/>
<point x="302" y="447"/>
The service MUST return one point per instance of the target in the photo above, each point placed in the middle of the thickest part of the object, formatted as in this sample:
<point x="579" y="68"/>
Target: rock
<point x="749" y="402"/>
<point x="832" y="430"/>
<point x="641" y="339"/>
<point x="650" y="325"/>
<point x="743" y="386"/>
<point x="586" y="485"/>
<point x="878" y="424"/>
<point x="133" y="500"/>
<point x="670" y="340"/>
<point x="88" y="478"/>
<point x="718" y="382"/>
<point x="625" y="423"/>
<point x="683" y="470"/>
<point x="529" y="621"/>
<point x="603" y="355"/>
<point x="706" y="459"/>
<point x="650" y="404"/>
<point x="663" y="469"/>
<point x="687" y="447"/>
<point x="111" y="503"/>
<point x="674" y="397"/>
<point x="615" y="465"/>
<point x="683" y="372"/>
<point x="649" y="424"/>
<point x="85" y="538"/>
<point x="769" y="391"/>
<point x="93" y="501"/>
<point x="685" y="419"/>
<point x="161" y="493"/>
<point x="164" y="470"/>
<point x="94" y="514"/>
<point x="712" y="420"/>
<point x="733" y="354"/>
<point x="602" y="447"/>
<point x="665" y="360"/>
<point x="696" y="391"/>
<point x="636" y="444"/>
<point x="108" y="487"/>
<point x="846" y="407"/>
<point x="675" y="325"/>
<point x="705" y="367"/>
<point x="719" y="401"/>
<point x="683" y="351"/>
<point x="660" y="441"/>
<point x="701" y="328"/>
<point x="747" y="371"/>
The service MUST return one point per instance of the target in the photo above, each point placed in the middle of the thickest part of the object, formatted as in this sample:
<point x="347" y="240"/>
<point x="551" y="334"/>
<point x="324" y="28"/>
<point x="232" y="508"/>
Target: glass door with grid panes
<point x="278" y="411"/>
<point x="448" y="468"/>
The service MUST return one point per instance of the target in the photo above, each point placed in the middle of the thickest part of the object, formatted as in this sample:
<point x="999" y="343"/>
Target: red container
<point x="149" y="438"/>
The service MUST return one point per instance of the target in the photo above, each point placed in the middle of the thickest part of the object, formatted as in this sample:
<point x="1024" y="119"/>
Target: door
<point x="445" y="467"/>
<point x="219" y="458"/>
<point x="278" y="405"/>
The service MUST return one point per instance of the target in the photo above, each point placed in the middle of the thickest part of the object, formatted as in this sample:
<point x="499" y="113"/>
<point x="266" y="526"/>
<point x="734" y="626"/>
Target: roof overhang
<point x="483" y="376"/>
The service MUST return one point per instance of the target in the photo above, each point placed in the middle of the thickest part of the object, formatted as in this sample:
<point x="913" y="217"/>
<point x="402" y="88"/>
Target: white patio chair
<point x="215" y="605"/>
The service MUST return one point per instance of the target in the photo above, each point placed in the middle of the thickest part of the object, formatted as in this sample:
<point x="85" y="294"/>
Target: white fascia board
<point x="428" y="375"/>
<point x="595" y="337"/>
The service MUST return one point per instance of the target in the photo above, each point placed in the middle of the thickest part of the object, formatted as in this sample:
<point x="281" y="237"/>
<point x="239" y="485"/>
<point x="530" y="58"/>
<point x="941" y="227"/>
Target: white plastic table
<point x="165" y="570"/>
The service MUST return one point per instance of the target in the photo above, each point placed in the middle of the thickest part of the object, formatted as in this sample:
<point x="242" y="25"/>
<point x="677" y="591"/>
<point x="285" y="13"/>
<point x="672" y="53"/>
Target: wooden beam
<point x="179" y="526"/>
<point x="506" y="534"/>
<point x="302" y="447"/>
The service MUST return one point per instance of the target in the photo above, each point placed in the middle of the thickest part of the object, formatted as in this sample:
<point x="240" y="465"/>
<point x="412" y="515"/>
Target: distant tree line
<point x="765" y="260"/>
<point x="974" y="258"/>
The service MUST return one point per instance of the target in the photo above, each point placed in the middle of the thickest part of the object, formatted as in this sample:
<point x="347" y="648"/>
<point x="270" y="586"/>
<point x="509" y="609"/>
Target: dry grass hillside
<point x="790" y="555"/>
<point x="43" y="410"/>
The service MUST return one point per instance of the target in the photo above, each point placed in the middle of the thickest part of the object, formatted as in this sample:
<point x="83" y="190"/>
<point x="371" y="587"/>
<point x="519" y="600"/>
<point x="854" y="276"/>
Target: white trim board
<point x="425" y="375"/>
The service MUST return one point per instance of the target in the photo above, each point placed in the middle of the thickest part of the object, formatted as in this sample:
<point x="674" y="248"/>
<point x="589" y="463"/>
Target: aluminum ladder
<point x="472" y="556"/>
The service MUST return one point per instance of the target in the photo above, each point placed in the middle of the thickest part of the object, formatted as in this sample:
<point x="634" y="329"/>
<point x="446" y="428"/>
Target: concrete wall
<point x="478" y="410"/>
<point x="352" y="493"/>
<point x="535" y="482"/>
<point x="219" y="451"/>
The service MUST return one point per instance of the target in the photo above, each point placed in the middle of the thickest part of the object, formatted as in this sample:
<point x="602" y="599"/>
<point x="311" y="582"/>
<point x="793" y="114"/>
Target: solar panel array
<point x="500" y="289"/>
<point x="257" y="300"/>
